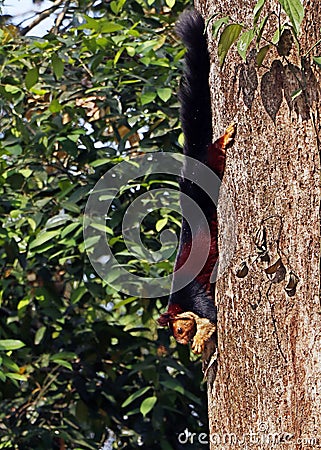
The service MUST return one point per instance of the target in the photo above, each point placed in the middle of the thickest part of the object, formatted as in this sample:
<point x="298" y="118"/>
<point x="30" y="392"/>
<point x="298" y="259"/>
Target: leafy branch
<point x="243" y="36"/>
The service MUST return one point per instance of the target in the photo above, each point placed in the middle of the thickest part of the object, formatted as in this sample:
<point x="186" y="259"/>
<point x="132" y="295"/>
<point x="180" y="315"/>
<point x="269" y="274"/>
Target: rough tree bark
<point x="265" y="386"/>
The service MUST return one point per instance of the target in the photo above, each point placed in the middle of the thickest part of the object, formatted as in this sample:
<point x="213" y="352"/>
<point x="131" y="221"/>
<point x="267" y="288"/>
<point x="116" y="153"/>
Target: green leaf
<point x="77" y="294"/>
<point x="147" y="97"/>
<point x="23" y="303"/>
<point x="9" y="364"/>
<point x="11" y="89"/>
<point x="70" y="206"/>
<point x="170" y="3"/>
<point x="164" y="94"/>
<point x="217" y="25"/>
<point x="296" y="94"/>
<point x="55" y="106"/>
<point x="40" y="334"/>
<point x="89" y="242"/>
<point x="63" y="355"/>
<point x="32" y="223"/>
<point x="43" y="237"/>
<point x="147" y="405"/>
<point x="118" y="55"/>
<point x="14" y="150"/>
<point x="244" y="43"/>
<point x="110" y="27"/>
<point x="173" y="385"/>
<point x="91" y="24"/>
<point x="69" y="228"/>
<point x="63" y="358"/>
<point x="261" y="55"/>
<point x="130" y="50"/>
<point x="229" y="35"/>
<point x="135" y="395"/>
<point x="295" y="10"/>
<point x="62" y="362"/>
<point x="57" y="66"/>
<point x="260" y="29"/>
<point x="26" y="172"/>
<point x="117" y="6"/>
<point x="17" y="376"/>
<point x="257" y="10"/>
<point x="276" y="37"/>
<point x="160" y="224"/>
<point x="181" y="139"/>
<point x="317" y="60"/>
<point x="102" y="227"/>
<point x="10" y="344"/>
<point x="58" y="220"/>
<point x="208" y="20"/>
<point x="31" y="77"/>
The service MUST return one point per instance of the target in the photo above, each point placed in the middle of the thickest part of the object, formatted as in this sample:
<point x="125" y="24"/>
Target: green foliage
<point x="78" y="360"/>
<point x="295" y="11"/>
<point x="231" y="32"/>
<point x="228" y="36"/>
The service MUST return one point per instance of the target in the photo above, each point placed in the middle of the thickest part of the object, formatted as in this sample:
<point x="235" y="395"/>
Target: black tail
<point x="194" y="92"/>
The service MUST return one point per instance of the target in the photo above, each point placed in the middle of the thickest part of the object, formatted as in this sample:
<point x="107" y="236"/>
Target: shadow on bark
<point x="297" y="85"/>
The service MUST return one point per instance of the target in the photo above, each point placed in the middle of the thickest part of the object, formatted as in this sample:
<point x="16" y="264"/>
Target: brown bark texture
<point x="265" y="386"/>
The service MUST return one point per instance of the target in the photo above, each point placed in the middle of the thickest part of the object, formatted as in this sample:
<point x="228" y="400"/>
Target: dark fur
<point x="196" y="115"/>
<point x="196" y="119"/>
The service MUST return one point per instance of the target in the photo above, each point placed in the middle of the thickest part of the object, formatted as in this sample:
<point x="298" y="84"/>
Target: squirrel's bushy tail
<point x="196" y="115"/>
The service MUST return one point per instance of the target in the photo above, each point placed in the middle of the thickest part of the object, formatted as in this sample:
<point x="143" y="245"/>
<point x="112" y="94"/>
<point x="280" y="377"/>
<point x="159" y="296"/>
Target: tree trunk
<point x="265" y="387"/>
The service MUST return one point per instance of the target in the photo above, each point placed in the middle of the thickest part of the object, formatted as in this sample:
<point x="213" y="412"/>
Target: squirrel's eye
<point x="179" y="330"/>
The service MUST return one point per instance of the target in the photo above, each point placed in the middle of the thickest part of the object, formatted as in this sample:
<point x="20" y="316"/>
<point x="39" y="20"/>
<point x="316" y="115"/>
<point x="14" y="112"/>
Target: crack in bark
<point x="274" y="324"/>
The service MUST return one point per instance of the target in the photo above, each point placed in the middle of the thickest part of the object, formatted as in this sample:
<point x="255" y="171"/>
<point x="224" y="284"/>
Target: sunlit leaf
<point x="135" y="395"/>
<point x="244" y="42"/>
<point x="261" y="55"/>
<point x="111" y="27"/>
<point x="161" y="223"/>
<point x="77" y="294"/>
<point x="31" y="77"/>
<point x="9" y="364"/>
<point x="164" y="93"/>
<point x="170" y="3"/>
<point x="57" y="65"/>
<point x="317" y="60"/>
<point x="10" y="344"/>
<point x="229" y="35"/>
<point x="218" y="24"/>
<point x="257" y="10"/>
<point x="55" y="106"/>
<point x="43" y="237"/>
<point x="12" y="89"/>
<point x="17" y="376"/>
<point x="147" y="405"/>
<point x="296" y="94"/>
<point x="40" y="334"/>
<point x="147" y="97"/>
<point x="260" y="29"/>
<point x="14" y="149"/>
<point x="295" y="10"/>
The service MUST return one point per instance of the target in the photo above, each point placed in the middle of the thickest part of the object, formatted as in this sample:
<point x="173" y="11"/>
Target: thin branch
<point x="313" y="46"/>
<point x="41" y="16"/>
<point x="61" y="17"/>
